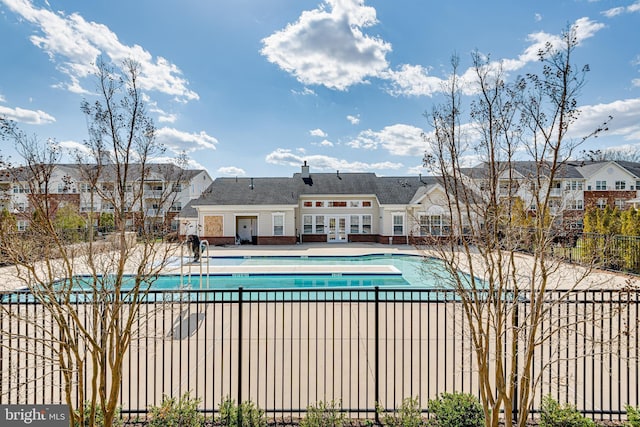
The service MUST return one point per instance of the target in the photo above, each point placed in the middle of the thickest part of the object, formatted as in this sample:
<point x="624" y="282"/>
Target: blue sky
<point x="255" y="87"/>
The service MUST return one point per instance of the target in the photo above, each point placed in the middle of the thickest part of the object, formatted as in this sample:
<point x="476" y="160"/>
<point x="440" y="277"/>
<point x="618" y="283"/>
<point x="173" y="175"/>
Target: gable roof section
<point x="287" y="191"/>
<point x="525" y="169"/>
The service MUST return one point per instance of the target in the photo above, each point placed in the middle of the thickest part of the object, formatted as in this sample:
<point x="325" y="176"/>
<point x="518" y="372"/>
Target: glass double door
<point x="337" y="229"/>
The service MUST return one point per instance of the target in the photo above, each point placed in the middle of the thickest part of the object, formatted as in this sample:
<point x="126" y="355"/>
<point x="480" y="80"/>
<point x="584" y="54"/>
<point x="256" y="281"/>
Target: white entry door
<point x="337" y="231"/>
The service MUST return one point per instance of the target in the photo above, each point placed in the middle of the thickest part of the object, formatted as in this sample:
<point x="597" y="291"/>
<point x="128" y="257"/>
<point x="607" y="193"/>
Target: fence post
<point x="376" y="369"/>
<point x="239" y="353"/>
<point x="516" y="321"/>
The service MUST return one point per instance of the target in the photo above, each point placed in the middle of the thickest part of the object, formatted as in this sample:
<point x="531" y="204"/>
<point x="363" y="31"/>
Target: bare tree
<point x="92" y="292"/>
<point x="502" y="206"/>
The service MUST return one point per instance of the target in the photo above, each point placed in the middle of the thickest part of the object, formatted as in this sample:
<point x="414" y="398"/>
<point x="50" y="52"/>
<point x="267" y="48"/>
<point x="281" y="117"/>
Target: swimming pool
<point x="295" y="272"/>
<point x="266" y="278"/>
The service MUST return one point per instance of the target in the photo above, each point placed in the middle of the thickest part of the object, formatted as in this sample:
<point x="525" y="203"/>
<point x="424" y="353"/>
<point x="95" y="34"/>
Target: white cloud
<point x="624" y="123"/>
<point x="414" y="80"/>
<point x="31" y="117"/>
<point x="2" y="98"/>
<point x="537" y="17"/>
<point x="231" y="171"/>
<point x="610" y="13"/>
<point x="179" y="141"/>
<point x="73" y="147"/>
<point x="326" y="163"/>
<point x="304" y="92"/>
<point x="75" y="44"/>
<point x="635" y="82"/>
<point x="323" y="143"/>
<point x="167" y="118"/>
<point x="354" y="120"/>
<point x="318" y="132"/>
<point x="327" y="46"/>
<point x="163" y="116"/>
<point x="398" y="139"/>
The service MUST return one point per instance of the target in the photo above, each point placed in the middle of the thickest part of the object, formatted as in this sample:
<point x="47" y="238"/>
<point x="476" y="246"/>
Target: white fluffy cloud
<point x="415" y="80"/>
<point x="74" y="44"/>
<point x="624" y="124"/>
<point x="31" y="117"/>
<point x="231" y="171"/>
<point x="179" y="141"/>
<point x="354" y="120"/>
<point x="318" y="162"/>
<point x="327" y="46"/>
<point x="318" y="132"/>
<point x="610" y="13"/>
<point x="399" y="140"/>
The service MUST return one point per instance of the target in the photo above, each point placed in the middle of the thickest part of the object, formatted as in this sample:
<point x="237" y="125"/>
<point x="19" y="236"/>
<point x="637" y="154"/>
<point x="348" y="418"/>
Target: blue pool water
<point x="413" y="271"/>
<point x="417" y="278"/>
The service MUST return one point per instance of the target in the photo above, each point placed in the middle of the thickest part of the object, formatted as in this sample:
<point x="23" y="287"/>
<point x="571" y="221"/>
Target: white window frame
<point x="621" y="185"/>
<point x="307" y="221"/>
<point x="601" y="185"/>
<point x="367" y="227"/>
<point x="394" y="225"/>
<point x="277" y="229"/>
<point x="576" y="205"/>
<point x="354" y="221"/>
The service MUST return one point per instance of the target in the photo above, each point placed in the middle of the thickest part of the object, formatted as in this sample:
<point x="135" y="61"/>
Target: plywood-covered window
<point x="213" y="225"/>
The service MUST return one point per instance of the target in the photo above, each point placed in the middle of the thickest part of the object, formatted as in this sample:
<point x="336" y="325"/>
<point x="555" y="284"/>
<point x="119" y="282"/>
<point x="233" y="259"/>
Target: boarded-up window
<point x="213" y="226"/>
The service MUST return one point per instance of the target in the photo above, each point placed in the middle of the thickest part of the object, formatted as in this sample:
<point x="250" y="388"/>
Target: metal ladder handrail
<point x="204" y="246"/>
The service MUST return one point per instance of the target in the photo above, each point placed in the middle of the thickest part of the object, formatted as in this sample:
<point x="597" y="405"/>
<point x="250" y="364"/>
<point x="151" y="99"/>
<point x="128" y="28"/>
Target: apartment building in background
<point x="363" y="207"/>
<point x="154" y="196"/>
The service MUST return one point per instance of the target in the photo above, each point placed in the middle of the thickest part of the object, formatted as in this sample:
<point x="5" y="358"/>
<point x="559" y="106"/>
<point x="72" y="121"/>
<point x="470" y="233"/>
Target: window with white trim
<point x="319" y="225"/>
<point x="22" y="225"/>
<point x="278" y="224"/>
<point x="366" y="224"/>
<point x="601" y="185"/>
<point x="354" y="221"/>
<point x="307" y="224"/>
<point x="574" y="185"/>
<point x="620" y="204"/>
<point x="434" y="225"/>
<point x="601" y="203"/>
<point x="621" y="185"/>
<point x="398" y="224"/>
<point x="576" y="205"/>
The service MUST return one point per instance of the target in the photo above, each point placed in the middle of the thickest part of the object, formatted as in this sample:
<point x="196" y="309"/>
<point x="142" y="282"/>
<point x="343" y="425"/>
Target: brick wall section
<point x="276" y="240"/>
<point x="591" y="197"/>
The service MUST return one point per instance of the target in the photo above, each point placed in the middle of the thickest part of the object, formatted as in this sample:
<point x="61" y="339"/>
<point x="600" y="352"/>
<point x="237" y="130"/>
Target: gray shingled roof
<point x="528" y="169"/>
<point x="287" y="191"/>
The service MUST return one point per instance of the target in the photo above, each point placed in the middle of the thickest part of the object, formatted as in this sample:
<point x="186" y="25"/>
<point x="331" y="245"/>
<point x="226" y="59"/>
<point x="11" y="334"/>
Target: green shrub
<point x="553" y="414"/>
<point x="99" y="416"/>
<point x="633" y="416"/>
<point x="409" y="414"/>
<point x="324" y="414"/>
<point x="176" y="413"/>
<point x="245" y="414"/>
<point x="456" y="410"/>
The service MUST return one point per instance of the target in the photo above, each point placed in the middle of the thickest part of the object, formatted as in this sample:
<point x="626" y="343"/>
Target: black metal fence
<point x="612" y="252"/>
<point x="289" y="348"/>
